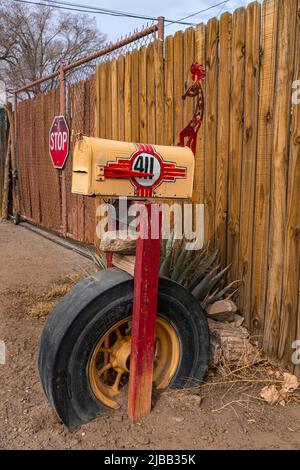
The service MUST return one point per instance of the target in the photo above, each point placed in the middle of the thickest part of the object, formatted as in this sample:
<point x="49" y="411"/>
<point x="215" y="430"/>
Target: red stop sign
<point x="59" y="137"/>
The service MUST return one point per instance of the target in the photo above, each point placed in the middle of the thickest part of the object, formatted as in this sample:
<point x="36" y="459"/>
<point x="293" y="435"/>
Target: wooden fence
<point x="3" y="139"/>
<point x="247" y="162"/>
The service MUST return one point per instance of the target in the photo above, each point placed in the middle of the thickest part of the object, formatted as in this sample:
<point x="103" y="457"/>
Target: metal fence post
<point x="16" y="191"/>
<point x="62" y="111"/>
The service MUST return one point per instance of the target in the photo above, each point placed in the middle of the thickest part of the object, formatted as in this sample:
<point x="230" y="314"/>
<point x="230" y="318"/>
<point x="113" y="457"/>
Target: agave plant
<point x="198" y="271"/>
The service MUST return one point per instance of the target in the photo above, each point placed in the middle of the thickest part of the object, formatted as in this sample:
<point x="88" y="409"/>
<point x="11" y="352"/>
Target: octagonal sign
<point x="59" y="138"/>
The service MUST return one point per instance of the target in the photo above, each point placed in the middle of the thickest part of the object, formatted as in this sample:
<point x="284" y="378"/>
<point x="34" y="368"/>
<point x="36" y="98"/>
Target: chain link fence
<point x="44" y="193"/>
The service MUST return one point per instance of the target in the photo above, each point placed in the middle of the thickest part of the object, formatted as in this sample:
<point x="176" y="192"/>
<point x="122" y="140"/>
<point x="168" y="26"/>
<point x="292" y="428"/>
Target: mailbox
<point x="111" y="168"/>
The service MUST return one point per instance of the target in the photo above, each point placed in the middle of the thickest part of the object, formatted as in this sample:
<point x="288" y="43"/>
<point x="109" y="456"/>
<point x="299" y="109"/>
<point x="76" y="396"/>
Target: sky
<point x="115" y="27"/>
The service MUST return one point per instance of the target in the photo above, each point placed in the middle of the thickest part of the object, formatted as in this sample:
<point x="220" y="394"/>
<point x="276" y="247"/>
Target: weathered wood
<point x="297" y="366"/>
<point x="121" y="98"/>
<point x="200" y="57"/>
<point x="135" y="96"/>
<point x="97" y="102"/>
<point x="263" y="166"/>
<point x="159" y="93"/>
<point x="108" y="101"/>
<point x="230" y="343"/>
<point x="223" y="135"/>
<point x="102" y="103"/>
<point x="143" y="95"/>
<point x="251" y="100"/>
<point x="178" y="84"/>
<point x="282" y="111"/>
<point x="150" y="95"/>
<point x="211" y="128"/>
<point x="114" y="101"/>
<point x="291" y="274"/>
<point x="127" y="98"/>
<point x="236" y="138"/>
<point x="169" y="91"/>
<point x="188" y="59"/>
<point x="125" y="262"/>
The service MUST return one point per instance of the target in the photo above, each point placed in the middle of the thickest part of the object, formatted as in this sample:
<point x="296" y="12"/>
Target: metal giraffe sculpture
<point x="191" y="130"/>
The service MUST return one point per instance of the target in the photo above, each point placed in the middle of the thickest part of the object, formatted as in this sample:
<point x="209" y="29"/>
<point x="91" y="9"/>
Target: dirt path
<point x="30" y="263"/>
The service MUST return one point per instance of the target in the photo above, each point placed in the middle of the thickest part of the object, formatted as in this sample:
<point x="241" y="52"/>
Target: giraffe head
<point x="197" y="71"/>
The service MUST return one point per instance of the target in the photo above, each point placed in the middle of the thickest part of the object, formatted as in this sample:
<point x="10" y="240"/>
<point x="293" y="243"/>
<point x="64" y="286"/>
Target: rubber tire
<point x="85" y="314"/>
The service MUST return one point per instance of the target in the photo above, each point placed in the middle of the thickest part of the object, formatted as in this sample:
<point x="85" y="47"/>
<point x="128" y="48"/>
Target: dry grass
<point x="41" y="305"/>
<point x="237" y="386"/>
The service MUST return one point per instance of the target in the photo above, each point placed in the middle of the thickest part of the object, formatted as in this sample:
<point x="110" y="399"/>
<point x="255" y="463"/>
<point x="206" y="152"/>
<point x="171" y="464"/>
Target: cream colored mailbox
<point x="110" y="168"/>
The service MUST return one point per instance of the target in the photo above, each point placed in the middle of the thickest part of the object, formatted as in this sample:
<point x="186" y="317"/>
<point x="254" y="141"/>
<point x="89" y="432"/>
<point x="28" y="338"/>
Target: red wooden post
<point x="144" y="319"/>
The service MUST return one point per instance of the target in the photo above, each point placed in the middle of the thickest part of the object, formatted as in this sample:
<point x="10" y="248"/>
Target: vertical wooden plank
<point x="200" y="57"/>
<point x="100" y="127"/>
<point x="252" y="69"/>
<point x="102" y="103"/>
<point x="212" y="32"/>
<point x="224" y="84"/>
<point x="97" y="102"/>
<point x="135" y="96"/>
<point x="114" y="101"/>
<point x="159" y="92"/>
<point x="143" y="95"/>
<point x="291" y="273"/>
<point x="282" y="110"/>
<point x="236" y="137"/>
<point x="169" y="91"/>
<point x="108" y="110"/>
<point x="297" y="366"/>
<point x="127" y="98"/>
<point x="188" y="59"/>
<point x="121" y="97"/>
<point x="263" y="166"/>
<point x="150" y="94"/>
<point x="178" y="84"/>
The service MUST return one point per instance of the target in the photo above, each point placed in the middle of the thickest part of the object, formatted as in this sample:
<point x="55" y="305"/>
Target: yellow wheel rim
<point x="109" y="365"/>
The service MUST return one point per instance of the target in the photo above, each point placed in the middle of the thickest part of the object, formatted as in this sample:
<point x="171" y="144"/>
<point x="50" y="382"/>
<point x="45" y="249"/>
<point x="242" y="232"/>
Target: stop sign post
<point x="59" y="138"/>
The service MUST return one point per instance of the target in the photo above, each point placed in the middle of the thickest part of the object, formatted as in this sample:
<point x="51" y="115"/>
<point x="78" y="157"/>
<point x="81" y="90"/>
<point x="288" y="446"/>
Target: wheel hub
<point x="120" y="355"/>
<point x="109" y="365"/>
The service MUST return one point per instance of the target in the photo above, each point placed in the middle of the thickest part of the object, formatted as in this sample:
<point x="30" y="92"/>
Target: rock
<point x="230" y="343"/>
<point x="238" y="320"/>
<point x="117" y="242"/>
<point x="270" y="394"/>
<point x="290" y="383"/>
<point x="222" y="310"/>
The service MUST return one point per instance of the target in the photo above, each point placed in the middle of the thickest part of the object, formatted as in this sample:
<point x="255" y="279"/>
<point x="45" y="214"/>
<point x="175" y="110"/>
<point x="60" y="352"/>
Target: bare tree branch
<point x="33" y="40"/>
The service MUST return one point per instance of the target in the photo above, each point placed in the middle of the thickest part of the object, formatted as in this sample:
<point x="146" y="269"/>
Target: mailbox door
<point x="111" y="168"/>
